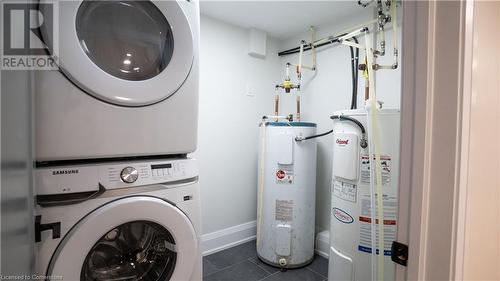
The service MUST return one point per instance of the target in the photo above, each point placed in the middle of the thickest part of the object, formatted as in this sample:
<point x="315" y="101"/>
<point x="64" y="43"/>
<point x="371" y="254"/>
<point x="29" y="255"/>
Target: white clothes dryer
<point x="127" y="83"/>
<point x="119" y="221"/>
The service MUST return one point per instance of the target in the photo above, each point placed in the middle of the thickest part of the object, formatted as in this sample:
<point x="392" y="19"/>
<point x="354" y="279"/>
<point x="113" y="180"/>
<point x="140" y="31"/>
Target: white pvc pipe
<point x="300" y="66"/>
<point x="260" y="187"/>
<point x="375" y="168"/>
<point x="370" y="153"/>
<point x="382" y="41"/>
<point x="300" y="57"/>
<point x="394" y="17"/>
<point x="329" y="38"/>
<point x="308" y="67"/>
<point x="313" y="39"/>
<point x="352" y="44"/>
<point x="352" y="34"/>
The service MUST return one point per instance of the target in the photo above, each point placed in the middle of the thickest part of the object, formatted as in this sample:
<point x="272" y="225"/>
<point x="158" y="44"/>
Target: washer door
<point x="135" y="238"/>
<point x="130" y="53"/>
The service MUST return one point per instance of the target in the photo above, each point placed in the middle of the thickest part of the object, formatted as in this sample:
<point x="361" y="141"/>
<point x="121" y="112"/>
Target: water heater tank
<point x="350" y="223"/>
<point x="286" y="194"/>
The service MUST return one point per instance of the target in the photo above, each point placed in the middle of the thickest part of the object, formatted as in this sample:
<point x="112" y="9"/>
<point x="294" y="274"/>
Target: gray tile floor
<point x="240" y="263"/>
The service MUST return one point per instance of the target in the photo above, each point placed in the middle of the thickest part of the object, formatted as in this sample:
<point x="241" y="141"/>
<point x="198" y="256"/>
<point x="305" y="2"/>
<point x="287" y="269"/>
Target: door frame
<point x="437" y="50"/>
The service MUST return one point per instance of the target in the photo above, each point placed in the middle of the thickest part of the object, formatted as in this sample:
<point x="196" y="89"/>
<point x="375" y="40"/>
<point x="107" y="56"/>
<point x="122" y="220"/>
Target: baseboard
<point x="229" y="237"/>
<point x="232" y="236"/>
<point x="322" y="245"/>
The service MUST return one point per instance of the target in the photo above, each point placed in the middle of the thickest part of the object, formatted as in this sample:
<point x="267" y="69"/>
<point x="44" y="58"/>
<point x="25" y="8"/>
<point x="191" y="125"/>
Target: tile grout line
<point x="250" y="259"/>
<point x="269" y="276"/>
<point x="224" y="268"/>
<point x="313" y="271"/>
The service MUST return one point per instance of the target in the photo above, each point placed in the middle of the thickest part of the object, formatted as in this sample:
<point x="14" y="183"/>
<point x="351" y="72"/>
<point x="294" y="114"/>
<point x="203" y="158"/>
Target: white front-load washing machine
<point x="127" y="79"/>
<point x="119" y="221"/>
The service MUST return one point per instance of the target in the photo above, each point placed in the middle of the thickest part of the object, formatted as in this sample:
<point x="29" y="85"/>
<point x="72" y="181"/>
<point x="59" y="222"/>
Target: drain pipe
<point x="376" y="192"/>
<point x="260" y="188"/>
<point x="298" y="108"/>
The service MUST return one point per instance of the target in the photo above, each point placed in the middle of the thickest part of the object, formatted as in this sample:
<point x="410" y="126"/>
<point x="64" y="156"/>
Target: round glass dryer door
<point x="136" y="238"/>
<point x="130" y="53"/>
<point x="131" y="40"/>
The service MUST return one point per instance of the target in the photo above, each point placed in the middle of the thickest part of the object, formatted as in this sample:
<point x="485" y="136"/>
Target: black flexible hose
<point x="307" y="48"/>
<point x="342" y="118"/>
<point x="354" y="73"/>
<point x="313" y="136"/>
<point x="363" y="143"/>
<point x="353" y="77"/>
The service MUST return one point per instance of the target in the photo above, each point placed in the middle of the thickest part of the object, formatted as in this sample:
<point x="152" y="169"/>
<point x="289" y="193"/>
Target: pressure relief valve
<point x="288" y="86"/>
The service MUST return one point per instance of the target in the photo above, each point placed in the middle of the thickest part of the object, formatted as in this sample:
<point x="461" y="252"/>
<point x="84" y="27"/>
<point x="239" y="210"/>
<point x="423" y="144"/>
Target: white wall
<point x="228" y="128"/>
<point x="228" y="122"/>
<point x="330" y="90"/>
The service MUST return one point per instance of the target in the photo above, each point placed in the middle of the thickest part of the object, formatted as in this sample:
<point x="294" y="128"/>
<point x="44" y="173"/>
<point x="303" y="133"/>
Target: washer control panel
<point x="85" y="178"/>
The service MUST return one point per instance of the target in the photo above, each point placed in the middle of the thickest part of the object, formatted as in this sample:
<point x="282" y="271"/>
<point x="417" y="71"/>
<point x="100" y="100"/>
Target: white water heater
<point x="350" y="223"/>
<point x="286" y="194"/>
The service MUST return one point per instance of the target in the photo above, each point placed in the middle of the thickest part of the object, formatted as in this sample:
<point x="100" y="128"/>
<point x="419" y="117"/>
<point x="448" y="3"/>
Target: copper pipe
<point x="276" y="106"/>
<point x="367" y="89"/>
<point x="298" y="108"/>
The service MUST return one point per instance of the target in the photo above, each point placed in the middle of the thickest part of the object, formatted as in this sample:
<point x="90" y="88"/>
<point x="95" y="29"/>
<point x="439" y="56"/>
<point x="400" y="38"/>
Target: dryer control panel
<point x="87" y="178"/>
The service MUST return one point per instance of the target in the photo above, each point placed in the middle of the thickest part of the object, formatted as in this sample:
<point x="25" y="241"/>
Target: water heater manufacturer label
<point x="284" y="176"/>
<point x="284" y="210"/>
<point x="342" y="216"/>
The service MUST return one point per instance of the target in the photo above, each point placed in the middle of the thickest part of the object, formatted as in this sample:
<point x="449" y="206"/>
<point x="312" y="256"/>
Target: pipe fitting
<point x="299" y="138"/>
<point x="363" y="142"/>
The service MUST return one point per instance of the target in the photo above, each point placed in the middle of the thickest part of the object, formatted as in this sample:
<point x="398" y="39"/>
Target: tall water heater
<point x="286" y="194"/>
<point x="350" y="233"/>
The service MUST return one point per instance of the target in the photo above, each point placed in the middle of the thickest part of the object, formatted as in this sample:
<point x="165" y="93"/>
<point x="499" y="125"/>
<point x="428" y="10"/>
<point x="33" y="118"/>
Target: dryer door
<point x="130" y="53"/>
<point x="135" y="238"/>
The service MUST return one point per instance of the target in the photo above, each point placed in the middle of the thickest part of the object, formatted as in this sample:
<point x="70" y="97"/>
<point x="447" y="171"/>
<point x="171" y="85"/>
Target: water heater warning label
<point x="390" y="224"/>
<point x="284" y="210"/>
<point x="345" y="191"/>
<point x="385" y="163"/>
<point x="284" y="176"/>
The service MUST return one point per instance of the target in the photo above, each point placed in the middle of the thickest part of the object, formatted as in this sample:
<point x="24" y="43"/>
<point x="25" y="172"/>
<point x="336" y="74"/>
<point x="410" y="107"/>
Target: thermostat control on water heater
<point x="346" y="147"/>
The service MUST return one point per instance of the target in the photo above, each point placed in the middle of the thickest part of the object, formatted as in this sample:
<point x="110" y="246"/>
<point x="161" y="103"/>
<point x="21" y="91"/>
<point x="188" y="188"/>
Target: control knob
<point x="129" y="174"/>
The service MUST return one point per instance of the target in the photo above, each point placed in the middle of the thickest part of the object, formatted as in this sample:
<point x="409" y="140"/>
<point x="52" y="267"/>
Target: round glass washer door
<point x="130" y="53"/>
<point x="135" y="238"/>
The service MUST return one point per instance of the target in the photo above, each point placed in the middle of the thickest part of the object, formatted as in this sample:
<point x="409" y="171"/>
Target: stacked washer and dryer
<point x="117" y="195"/>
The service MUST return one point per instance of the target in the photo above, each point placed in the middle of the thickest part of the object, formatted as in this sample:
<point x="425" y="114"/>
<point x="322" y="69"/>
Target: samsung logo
<point x="64" y="172"/>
